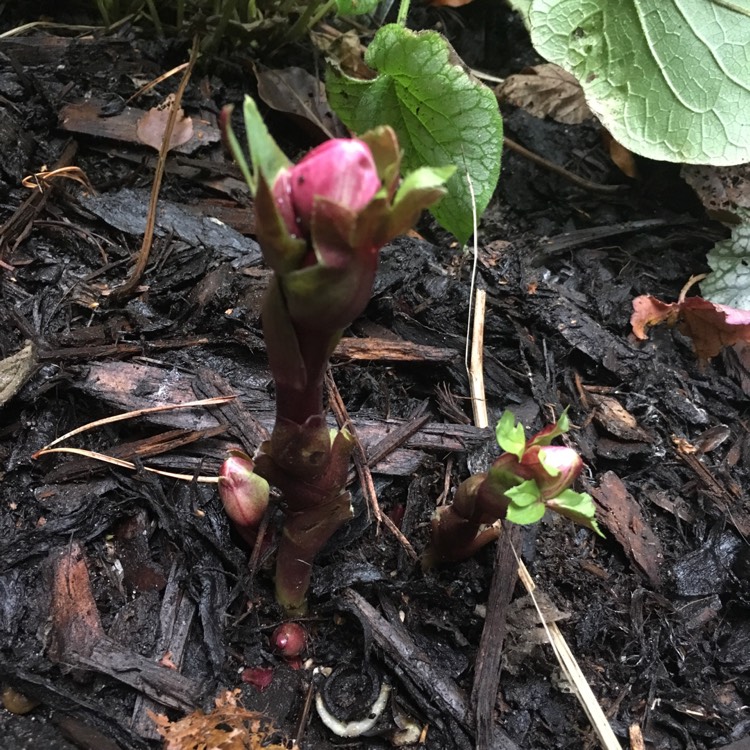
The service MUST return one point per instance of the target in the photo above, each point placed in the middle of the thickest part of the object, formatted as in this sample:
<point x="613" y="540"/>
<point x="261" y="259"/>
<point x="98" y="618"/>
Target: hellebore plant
<point x="530" y="477"/>
<point x="320" y="225"/>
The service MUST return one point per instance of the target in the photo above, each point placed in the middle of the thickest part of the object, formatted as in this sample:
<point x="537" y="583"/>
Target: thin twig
<point x="215" y="401"/>
<point x="144" y="253"/>
<point x="582" y="182"/>
<point x="304" y="716"/>
<point x="363" y="470"/>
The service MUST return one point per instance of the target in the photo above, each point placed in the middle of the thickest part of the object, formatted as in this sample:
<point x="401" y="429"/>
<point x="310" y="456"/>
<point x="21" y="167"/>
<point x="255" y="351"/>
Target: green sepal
<point x="282" y="252"/>
<point x="266" y="156"/>
<point x="284" y="355"/>
<point x="420" y="189"/>
<point x="549" y="433"/>
<point x="525" y="506"/>
<point x="578" y="507"/>
<point x="511" y="436"/>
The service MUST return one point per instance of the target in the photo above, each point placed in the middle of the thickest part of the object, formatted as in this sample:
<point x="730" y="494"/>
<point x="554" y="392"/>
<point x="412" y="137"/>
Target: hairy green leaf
<point x="442" y="115"/>
<point x="670" y="79"/>
<point x="729" y="282"/>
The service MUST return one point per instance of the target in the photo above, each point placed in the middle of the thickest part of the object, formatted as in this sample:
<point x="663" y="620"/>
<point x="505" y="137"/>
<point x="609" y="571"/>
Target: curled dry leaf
<point x="623" y="158"/>
<point x="722" y="190"/>
<point x="227" y="727"/>
<point x="710" y="326"/>
<point x="344" y="50"/>
<point x="546" y="91"/>
<point x="295" y="92"/>
<point x="152" y="126"/>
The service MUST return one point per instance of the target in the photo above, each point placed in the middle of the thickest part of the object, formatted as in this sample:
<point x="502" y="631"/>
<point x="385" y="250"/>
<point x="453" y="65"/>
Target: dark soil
<point x="109" y="576"/>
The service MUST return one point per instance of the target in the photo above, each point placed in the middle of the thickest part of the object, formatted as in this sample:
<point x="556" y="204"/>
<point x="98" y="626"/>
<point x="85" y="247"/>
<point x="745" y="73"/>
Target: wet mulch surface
<point x="124" y="594"/>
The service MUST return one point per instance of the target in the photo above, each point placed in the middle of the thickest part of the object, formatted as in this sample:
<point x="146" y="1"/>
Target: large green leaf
<point x="442" y="115"/>
<point x="670" y="79"/>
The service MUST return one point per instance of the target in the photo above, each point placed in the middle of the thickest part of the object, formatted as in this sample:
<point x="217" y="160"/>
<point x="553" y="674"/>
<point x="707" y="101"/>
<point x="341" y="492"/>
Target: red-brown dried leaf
<point x="649" y="311"/>
<point x="710" y="326"/>
<point x="152" y="126"/>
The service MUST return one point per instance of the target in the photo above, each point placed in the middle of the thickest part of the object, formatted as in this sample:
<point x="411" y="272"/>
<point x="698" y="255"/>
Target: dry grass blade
<point x="104" y="458"/>
<point x="42" y="180"/>
<point x="572" y="671"/>
<point x="476" y="361"/>
<point x="217" y="400"/>
<point x="163" y="77"/>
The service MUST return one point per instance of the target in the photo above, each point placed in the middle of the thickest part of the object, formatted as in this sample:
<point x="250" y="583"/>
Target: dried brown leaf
<point x="152" y="126"/>
<point x="15" y="371"/>
<point x="546" y="91"/>
<point x="617" y="420"/>
<point x="621" y="157"/>
<point x="295" y="92"/>
<point x="722" y="190"/>
<point x="344" y="50"/>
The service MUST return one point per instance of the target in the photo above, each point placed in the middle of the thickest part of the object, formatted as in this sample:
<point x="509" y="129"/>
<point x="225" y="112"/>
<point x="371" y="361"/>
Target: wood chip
<point x="620" y="513"/>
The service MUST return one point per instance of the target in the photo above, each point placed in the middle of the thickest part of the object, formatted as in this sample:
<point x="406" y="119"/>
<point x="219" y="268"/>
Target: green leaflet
<point x="510" y="436"/>
<point x="526" y="505"/>
<point x="578" y="507"/>
<point x="441" y="114"/>
<point x="670" y="79"/>
<point x="729" y="282"/>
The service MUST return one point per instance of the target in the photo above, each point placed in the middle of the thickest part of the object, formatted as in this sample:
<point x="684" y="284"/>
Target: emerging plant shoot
<point x="527" y="479"/>
<point x="320" y="224"/>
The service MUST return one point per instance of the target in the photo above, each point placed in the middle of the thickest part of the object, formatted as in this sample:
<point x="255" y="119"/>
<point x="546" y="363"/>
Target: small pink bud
<point x="554" y="468"/>
<point x="289" y="640"/>
<point x="244" y="494"/>
<point x="341" y="170"/>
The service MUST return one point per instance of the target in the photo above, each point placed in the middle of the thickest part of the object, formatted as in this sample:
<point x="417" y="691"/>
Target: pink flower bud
<point x="289" y="640"/>
<point x="554" y="468"/>
<point x="341" y="170"/>
<point x="244" y="494"/>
